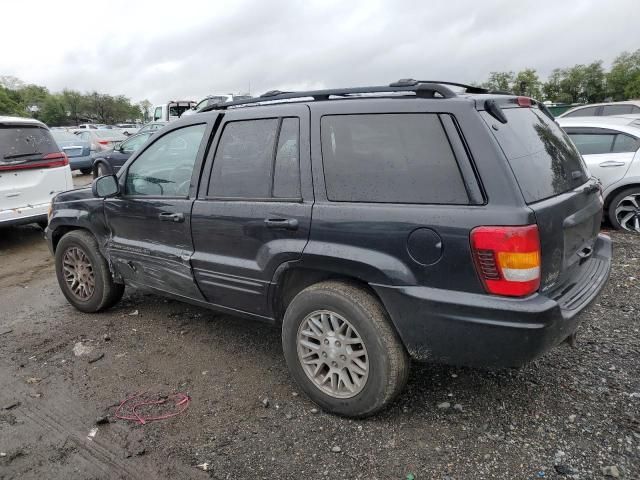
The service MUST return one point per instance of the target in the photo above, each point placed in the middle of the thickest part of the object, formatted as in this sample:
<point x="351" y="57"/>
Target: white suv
<point x="610" y="146"/>
<point x="32" y="170"/>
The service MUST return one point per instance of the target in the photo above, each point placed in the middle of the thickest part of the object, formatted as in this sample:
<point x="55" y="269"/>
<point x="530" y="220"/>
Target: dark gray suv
<point x="372" y="225"/>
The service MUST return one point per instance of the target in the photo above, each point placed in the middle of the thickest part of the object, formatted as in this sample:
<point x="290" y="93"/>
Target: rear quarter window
<point x="543" y="159"/>
<point x="390" y="158"/>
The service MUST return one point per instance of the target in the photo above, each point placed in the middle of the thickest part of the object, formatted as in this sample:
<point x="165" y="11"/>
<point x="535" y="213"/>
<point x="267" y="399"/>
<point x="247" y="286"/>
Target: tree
<point x="145" y="107"/>
<point x="632" y="90"/>
<point x="74" y="103"/>
<point x="8" y="105"/>
<point x="528" y="84"/>
<point x="499" y="81"/>
<point x="53" y="111"/>
<point x="10" y="82"/>
<point x="551" y="88"/>
<point x="624" y="70"/>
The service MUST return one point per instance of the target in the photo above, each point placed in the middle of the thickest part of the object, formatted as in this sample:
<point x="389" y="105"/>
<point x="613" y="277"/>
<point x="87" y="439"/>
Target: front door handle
<point x="171" y="217"/>
<point x="281" y="223"/>
<point x="612" y="163"/>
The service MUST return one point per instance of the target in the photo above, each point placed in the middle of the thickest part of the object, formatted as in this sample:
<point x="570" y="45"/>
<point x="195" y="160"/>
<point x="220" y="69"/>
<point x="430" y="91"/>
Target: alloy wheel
<point x="628" y="212"/>
<point x="78" y="273"/>
<point x="332" y="354"/>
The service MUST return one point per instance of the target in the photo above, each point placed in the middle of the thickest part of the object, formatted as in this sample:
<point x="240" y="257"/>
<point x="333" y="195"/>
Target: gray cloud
<point x="204" y="48"/>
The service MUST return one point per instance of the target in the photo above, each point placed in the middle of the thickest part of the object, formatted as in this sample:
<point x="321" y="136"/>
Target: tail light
<point x="50" y="160"/>
<point x="507" y="259"/>
<point x="104" y="142"/>
<point x="524" y="101"/>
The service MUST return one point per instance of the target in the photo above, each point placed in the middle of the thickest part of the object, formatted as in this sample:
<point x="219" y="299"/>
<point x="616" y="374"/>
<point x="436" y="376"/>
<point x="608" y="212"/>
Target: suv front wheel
<point x="342" y="350"/>
<point x="83" y="274"/>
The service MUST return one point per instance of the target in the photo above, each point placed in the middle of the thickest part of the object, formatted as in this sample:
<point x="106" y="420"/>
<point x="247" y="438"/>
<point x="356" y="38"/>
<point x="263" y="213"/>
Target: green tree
<point x="499" y="81"/>
<point x="8" y="104"/>
<point x="53" y="111"/>
<point x="75" y="104"/>
<point x="551" y="88"/>
<point x="527" y="83"/>
<point x="624" y="71"/>
<point x="632" y="90"/>
<point x="145" y="107"/>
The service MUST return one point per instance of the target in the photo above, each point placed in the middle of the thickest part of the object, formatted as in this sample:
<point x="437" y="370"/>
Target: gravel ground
<point x="575" y="413"/>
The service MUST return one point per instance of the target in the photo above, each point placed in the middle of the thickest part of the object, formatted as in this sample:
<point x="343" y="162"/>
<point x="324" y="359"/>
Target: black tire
<point x="86" y="171"/>
<point x="388" y="359"/>
<point x="611" y="213"/>
<point x="106" y="292"/>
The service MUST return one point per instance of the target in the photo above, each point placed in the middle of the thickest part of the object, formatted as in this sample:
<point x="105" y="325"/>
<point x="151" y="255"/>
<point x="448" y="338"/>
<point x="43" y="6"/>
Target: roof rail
<point x="421" y="89"/>
<point x="468" y="88"/>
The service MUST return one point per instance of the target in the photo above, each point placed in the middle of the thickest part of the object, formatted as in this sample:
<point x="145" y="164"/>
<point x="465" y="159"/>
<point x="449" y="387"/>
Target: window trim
<point x="454" y="153"/>
<point x="122" y="177"/>
<point x="273" y="164"/>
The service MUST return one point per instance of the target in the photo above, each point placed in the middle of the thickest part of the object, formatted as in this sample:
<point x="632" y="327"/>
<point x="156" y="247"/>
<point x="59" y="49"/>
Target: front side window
<point x="583" y="112"/>
<point x="134" y="144"/>
<point x="390" y="158"/>
<point x="158" y="114"/>
<point x="165" y="168"/>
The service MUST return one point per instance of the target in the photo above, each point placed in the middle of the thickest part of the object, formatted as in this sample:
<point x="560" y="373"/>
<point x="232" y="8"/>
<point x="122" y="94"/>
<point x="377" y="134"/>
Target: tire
<point x="86" y="171"/>
<point x="625" y="202"/>
<point x="105" y="292"/>
<point x="386" y="358"/>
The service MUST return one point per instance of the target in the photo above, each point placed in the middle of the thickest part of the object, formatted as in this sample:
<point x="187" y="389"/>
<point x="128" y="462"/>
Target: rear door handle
<point x="612" y="163"/>
<point x="281" y="223"/>
<point x="171" y="217"/>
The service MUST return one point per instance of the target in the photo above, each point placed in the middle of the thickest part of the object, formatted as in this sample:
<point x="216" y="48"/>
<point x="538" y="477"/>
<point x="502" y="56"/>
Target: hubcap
<point x="332" y="354"/>
<point x="628" y="212"/>
<point x="78" y="273"/>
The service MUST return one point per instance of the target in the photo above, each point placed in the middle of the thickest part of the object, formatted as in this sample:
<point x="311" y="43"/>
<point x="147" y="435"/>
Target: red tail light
<point x="507" y="259"/>
<point x="104" y="142"/>
<point x="50" y="160"/>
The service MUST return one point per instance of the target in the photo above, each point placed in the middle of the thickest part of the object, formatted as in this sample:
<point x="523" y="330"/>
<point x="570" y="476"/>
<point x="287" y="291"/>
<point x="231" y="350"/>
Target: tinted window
<point x="542" y="157"/>
<point x="165" y="168"/>
<point x="635" y="109"/>
<point x="25" y="141"/>
<point x="158" y="114"/>
<point x="243" y="163"/>
<point x="616" y="109"/>
<point x="593" y="143"/>
<point x="392" y="158"/>
<point x="583" y="112"/>
<point x="625" y="144"/>
<point x="286" y="176"/>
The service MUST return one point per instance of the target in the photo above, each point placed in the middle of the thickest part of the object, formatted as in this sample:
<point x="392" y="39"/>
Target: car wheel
<point x="83" y="274"/>
<point x="342" y="349"/>
<point x="85" y="171"/>
<point x="624" y="210"/>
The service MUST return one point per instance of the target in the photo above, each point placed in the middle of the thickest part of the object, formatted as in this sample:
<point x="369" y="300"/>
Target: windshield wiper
<point x="18" y="155"/>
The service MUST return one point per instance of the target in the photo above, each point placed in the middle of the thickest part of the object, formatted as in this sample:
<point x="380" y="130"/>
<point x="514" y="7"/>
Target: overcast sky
<point x="188" y="49"/>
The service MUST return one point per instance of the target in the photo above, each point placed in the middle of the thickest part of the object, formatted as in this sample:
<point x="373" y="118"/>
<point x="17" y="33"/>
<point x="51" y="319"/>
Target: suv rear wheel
<point x="83" y="274"/>
<point x="624" y="210"/>
<point x="342" y="350"/>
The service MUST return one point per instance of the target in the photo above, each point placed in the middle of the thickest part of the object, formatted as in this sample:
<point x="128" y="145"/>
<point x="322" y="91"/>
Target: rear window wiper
<point x="18" y="155"/>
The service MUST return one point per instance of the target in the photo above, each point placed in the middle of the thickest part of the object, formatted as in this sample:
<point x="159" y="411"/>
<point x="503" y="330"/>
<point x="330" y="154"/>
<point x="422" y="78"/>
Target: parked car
<point x="77" y="150"/>
<point x="460" y="228"/>
<point x="214" y="100"/>
<point x="90" y="126"/>
<point x="110" y="161"/>
<point x="603" y="109"/>
<point x="152" y="127"/>
<point x="610" y="146"/>
<point x="128" y="128"/>
<point x="167" y="112"/>
<point x="102" y="140"/>
<point x="33" y="168"/>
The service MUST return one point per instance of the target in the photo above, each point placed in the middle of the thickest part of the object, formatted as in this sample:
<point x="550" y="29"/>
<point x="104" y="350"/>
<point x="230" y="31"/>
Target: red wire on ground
<point x="183" y="402"/>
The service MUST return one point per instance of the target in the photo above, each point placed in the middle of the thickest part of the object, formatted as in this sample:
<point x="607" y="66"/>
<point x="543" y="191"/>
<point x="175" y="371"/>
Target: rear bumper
<point x="461" y="328"/>
<point x="24" y="215"/>
<point x="78" y="163"/>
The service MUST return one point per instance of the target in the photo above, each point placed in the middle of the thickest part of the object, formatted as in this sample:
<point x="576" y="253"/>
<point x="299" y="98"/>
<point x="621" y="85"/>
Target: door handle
<point x="171" y="217"/>
<point x="281" y="223"/>
<point x="612" y="163"/>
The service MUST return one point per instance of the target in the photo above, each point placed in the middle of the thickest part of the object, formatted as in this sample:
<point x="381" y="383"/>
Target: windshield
<point x="542" y="158"/>
<point x="109" y="134"/>
<point x="63" y="136"/>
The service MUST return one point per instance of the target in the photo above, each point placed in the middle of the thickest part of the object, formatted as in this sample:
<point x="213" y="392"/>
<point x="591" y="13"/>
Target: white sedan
<point x="610" y="146"/>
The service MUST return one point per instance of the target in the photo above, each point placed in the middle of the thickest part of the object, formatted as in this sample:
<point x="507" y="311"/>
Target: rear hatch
<point x="29" y="160"/>
<point x="555" y="184"/>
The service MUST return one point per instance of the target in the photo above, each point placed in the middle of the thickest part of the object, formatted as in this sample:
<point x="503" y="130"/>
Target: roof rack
<point x="422" y="89"/>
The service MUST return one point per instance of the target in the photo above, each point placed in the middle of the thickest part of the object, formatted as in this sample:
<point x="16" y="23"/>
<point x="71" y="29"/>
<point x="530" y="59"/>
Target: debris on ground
<point x="92" y="433"/>
<point x="80" y="349"/>
<point x="95" y="357"/>
<point x="11" y="405"/>
<point x="611" y="471"/>
<point x="204" y="466"/>
<point x="265" y="402"/>
<point x="336" y="449"/>
<point x="139" y="401"/>
<point x="444" y="405"/>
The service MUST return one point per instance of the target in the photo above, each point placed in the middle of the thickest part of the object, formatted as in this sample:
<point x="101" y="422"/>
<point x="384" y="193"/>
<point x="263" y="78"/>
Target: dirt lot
<point x="568" y="415"/>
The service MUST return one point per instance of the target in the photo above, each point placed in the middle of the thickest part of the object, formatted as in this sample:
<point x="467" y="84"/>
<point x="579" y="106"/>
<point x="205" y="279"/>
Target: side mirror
<point x="105" y="187"/>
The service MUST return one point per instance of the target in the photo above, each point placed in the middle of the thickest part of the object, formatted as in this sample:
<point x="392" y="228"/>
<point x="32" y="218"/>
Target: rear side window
<point x="625" y="144"/>
<point x="583" y="112"/>
<point x="390" y="158"/>
<point x="544" y="161"/>
<point x="20" y="143"/>
<point x="593" y="143"/>
<point x="257" y="159"/>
